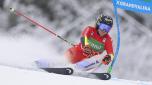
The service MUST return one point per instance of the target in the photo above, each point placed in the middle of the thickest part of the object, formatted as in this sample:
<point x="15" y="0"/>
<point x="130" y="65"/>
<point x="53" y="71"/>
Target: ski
<point x="70" y="71"/>
<point x="102" y="76"/>
<point x="63" y="71"/>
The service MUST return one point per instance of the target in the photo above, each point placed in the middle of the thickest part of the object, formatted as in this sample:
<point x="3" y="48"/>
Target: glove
<point x="106" y="60"/>
<point x="87" y="50"/>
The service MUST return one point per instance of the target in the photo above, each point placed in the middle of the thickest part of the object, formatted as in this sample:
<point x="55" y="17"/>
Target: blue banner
<point x="144" y="6"/>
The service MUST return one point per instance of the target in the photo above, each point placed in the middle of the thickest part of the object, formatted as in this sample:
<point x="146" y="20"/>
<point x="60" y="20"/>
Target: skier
<point x="94" y="41"/>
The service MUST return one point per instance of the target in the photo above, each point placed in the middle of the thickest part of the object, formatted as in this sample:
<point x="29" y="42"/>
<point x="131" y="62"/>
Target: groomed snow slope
<point x="15" y="76"/>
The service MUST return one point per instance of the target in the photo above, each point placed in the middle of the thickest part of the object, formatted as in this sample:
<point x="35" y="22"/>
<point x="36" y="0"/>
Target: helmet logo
<point x="108" y="20"/>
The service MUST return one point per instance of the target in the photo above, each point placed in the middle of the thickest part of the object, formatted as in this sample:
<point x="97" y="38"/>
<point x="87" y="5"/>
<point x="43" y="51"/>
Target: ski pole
<point x="38" y="24"/>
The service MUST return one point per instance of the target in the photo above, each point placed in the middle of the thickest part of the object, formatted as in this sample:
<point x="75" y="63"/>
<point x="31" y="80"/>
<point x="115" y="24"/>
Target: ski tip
<point x="108" y="76"/>
<point x="69" y="71"/>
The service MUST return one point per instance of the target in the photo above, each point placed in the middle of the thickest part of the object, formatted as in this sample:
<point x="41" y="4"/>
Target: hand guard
<point x="106" y="60"/>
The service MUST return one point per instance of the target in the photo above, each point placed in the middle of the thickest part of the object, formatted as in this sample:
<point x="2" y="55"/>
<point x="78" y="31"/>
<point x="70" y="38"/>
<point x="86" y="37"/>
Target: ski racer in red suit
<point x="94" y="41"/>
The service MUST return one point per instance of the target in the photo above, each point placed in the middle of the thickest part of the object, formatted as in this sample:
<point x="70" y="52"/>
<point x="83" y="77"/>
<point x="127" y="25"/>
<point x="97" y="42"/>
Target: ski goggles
<point x="104" y="27"/>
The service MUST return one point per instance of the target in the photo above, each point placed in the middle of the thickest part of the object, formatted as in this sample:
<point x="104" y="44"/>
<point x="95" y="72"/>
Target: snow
<point x="15" y="76"/>
<point x="23" y="51"/>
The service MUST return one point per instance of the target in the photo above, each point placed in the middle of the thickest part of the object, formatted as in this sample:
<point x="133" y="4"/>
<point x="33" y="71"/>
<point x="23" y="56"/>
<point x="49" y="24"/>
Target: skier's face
<point x="102" y="32"/>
